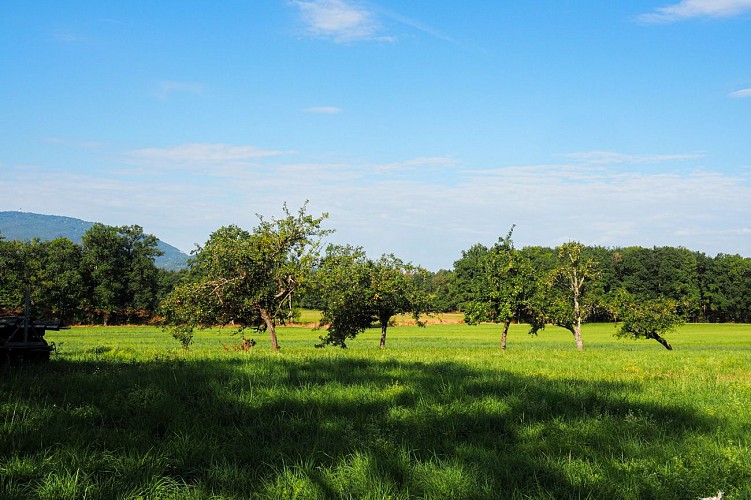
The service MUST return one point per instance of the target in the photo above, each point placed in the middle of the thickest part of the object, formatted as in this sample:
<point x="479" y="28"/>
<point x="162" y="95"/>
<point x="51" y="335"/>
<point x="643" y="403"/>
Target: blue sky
<point x="420" y="127"/>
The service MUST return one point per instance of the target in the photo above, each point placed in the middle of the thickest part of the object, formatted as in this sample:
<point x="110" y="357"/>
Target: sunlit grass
<point x="440" y="413"/>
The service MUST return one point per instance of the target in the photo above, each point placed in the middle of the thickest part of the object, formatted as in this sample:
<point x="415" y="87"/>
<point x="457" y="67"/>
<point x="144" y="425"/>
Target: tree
<point x="502" y="288"/>
<point x="342" y="284"/>
<point x="667" y="272"/>
<point x="468" y="274"/>
<point x="727" y="289"/>
<point x="58" y="288"/>
<point x="119" y="270"/>
<point x="443" y="289"/>
<point x="569" y="294"/>
<point x="394" y="291"/>
<point x="17" y="266"/>
<point x="356" y="292"/>
<point x="648" y="319"/>
<point x="246" y="278"/>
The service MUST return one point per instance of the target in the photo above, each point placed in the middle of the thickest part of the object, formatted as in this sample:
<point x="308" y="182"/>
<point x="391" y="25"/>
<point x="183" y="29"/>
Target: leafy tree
<point x="443" y="289"/>
<point x="48" y="270"/>
<point x="503" y="287"/>
<point x="468" y="275"/>
<point x="246" y="278"/>
<point x="17" y="265"/>
<point x="648" y="319"/>
<point x="58" y="289"/>
<point x="356" y="291"/>
<point x="571" y="292"/>
<point x="667" y="272"/>
<point x="394" y="291"/>
<point x="727" y="289"/>
<point x="343" y="286"/>
<point x="119" y="271"/>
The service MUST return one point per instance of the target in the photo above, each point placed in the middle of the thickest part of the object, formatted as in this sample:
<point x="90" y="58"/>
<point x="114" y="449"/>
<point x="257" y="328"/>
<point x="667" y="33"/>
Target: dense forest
<point x="108" y="278"/>
<point x="111" y="278"/>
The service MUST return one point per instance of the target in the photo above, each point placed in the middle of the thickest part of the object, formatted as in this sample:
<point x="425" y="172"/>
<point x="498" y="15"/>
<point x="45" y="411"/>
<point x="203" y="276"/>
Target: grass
<point x="441" y="413"/>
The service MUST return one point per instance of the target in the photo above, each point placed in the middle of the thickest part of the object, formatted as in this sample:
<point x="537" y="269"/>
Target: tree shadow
<point x="243" y="426"/>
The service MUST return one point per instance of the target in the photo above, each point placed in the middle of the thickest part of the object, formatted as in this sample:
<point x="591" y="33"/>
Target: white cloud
<point x="339" y="20"/>
<point x="168" y="87"/>
<point x="62" y="141"/>
<point x="741" y="94"/>
<point x="613" y="158"/>
<point x="325" y="110"/>
<point x="412" y="208"/>
<point x="65" y="36"/>
<point x="416" y="164"/>
<point x="687" y="9"/>
<point x="203" y="153"/>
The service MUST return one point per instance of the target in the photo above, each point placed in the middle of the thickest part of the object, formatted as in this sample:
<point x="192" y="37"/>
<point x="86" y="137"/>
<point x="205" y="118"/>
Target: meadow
<point x="440" y="413"/>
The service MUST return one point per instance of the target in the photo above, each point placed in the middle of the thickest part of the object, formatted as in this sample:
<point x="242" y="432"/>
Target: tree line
<point x="705" y="289"/>
<point x="257" y="279"/>
<point x="109" y="278"/>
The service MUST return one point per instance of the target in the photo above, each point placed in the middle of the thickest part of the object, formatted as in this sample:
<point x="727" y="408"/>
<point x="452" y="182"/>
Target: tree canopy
<point x="570" y="292"/>
<point x="245" y="278"/>
<point x="356" y="291"/>
<point x="502" y="287"/>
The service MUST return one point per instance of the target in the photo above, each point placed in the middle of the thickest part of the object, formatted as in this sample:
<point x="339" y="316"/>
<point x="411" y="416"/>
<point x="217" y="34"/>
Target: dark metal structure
<point x="22" y="340"/>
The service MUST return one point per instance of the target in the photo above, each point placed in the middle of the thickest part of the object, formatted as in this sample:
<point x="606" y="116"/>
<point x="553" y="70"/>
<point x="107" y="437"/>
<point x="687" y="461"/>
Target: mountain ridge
<point x="27" y="225"/>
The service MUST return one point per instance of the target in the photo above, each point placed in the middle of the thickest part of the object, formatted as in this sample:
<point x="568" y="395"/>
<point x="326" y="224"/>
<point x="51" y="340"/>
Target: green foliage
<point x="119" y="273"/>
<point x="572" y="292"/>
<point x="247" y="278"/>
<point x="726" y="289"/>
<point x="501" y="291"/>
<point x="25" y="226"/>
<point x="441" y="285"/>
<point x="469" y="274"/>
<point x="355" y="292"/>
<point x="49" y="269"/>
<point x="663" y="272"/>
<point x="648" y="319"/>
<point x="343" y="285"/>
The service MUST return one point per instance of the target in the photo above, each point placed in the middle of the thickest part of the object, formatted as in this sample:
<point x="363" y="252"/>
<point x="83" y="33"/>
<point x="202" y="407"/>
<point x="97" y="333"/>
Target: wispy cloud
<point x="63" y="141"/>
<point x="325" y="110"/>
<point x="416" y="164"/>
<point x="339" y="20"/>
<point x="406" y="206"/>
<point x="613" y="158"/>
<point x="741" y="94"/>
<point x="418" y="25"/>
<point x="203" y="153"/>
<point x="168" y="87"/>
<point x="688" y="9"/>
<point x="345" y="21"/>
<point x="67" y="36"/>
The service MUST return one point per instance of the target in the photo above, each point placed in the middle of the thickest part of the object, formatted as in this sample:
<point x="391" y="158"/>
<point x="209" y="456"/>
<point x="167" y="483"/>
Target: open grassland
<point x="441" y="413"/>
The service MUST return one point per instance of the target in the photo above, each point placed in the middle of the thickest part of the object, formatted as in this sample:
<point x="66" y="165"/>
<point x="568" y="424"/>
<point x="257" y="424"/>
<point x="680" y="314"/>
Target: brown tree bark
<point x="384" y="326"/>
<point x="270" y="327"/>
<point x="661" y="340"/>
<point x="505" y="334"/>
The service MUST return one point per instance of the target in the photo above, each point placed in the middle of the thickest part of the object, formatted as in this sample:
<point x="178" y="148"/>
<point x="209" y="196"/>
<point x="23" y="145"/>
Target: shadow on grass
<point x="339" y="426"/>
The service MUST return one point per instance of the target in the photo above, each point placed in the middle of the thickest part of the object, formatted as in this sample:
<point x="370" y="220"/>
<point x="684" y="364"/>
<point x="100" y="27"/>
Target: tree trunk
<point x="662" y="341"/>
<point x="505" y="333"/>
<point x="383" y="335"/>
<point x="578" y="335"/>
<point x="270" y="327"/>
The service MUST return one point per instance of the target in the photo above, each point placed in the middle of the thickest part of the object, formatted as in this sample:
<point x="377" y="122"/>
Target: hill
<point x="27" y="226"/>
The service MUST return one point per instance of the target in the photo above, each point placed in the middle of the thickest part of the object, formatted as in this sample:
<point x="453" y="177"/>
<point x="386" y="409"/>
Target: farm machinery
<point x="22" y="340"/>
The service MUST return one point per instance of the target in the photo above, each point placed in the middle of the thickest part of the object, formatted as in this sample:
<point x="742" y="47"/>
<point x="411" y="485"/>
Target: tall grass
<point x="441" y="413"/>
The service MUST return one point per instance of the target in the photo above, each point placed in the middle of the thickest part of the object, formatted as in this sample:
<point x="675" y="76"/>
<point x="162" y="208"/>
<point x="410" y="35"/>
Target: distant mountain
<point x="27" y="226"/>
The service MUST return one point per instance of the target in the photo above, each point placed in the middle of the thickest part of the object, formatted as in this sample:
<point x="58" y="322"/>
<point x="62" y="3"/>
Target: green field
<point x="441" y="413"/>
